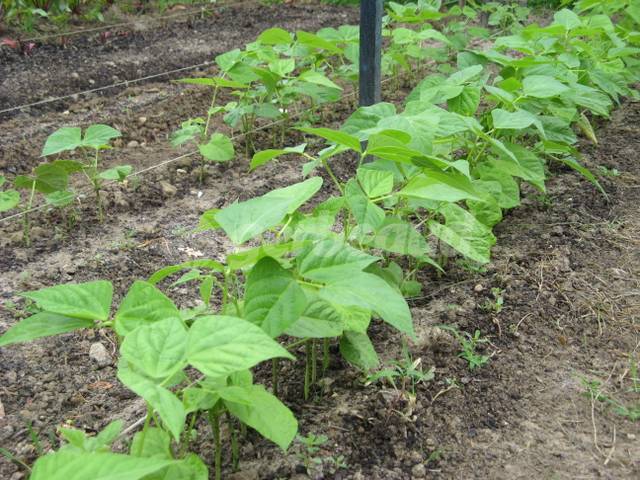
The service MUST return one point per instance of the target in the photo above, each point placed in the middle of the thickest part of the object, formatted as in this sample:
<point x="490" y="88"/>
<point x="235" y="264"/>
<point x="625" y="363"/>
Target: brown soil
<point x="567" y="262"/>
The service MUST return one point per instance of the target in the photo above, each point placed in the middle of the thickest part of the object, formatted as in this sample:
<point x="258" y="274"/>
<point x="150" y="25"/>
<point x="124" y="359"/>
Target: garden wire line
<point x="175" y="159"/>
<point x="196" y="11"/>
<point x="106" y="87"/>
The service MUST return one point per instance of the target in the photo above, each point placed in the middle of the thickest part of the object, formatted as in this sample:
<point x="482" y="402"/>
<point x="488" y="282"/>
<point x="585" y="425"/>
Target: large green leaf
<point x="273" y="299"/>
<point x="367" y="214"/>
<point x="264" y="156"/>
<point x="99" y="135"/>
<point x="521" y="162"/>
<point x="335" y="136"/>
<point x="438" y="185"/>
<point x="509" y="196"/>
<point x="330" y="260"/>
<point x="219" y="148"/>
<point x="43" y="324"/>
<point x="375" y="183"/>
<point x="143" y="304"/>
<point x="371" y="292"/>
<point x="72" y="465"/>
<point x="358" y="350"/>
<point x="365" y="118"/>
<point x="65" y="138"/>
<point x="90" y="301"/>
<point x="518" y="120"/>
<point x="397" y="236"/>
<point x="267" y="415"/>
<point x="463" y="232"/>
<point x="161" y="400"/>
<point x="543" y="86"/>
<point x="245" y="220"/>
<point x="275" y="36"/>
<point x="319" y="320"/>
<point x="157" y="349"/>
<point x="219" y="345"/>
<point x="9" y="199"/>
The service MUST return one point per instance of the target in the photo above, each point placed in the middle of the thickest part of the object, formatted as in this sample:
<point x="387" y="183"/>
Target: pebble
<point x="1" y="410"/>
<point x="99" y="354"/>
<point x="133" y="144"/>
<point x="419" y="471"/>
<point x="142" y="120"/>
<point x="478" y="288"/>
<point x="75" y="75"/>
<point x="167" y="189"/>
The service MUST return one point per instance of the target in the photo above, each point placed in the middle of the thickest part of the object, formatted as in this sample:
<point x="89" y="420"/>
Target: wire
<point x="106" y="87"/>
<point x="133" y="23"/>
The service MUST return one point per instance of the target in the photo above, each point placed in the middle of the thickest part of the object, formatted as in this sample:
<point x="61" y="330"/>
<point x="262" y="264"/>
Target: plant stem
<point x="235" y="450"/>
<point x="26" y="221"/>
<point x="314" y="363"/>
<point x="214" y="420"/>
<point x="325" y="355"/>
<point x="307" y="369"/>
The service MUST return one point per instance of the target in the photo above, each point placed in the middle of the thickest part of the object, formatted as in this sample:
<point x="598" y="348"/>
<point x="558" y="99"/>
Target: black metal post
<point x="370" y="51"/>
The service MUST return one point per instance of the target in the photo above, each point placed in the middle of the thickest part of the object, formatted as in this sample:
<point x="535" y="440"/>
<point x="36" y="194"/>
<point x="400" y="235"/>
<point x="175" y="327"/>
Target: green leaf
<point x="318" y="78"/>
<point x="144" y="304"/>
<point x="335" y="136"/>
<point x="518" y="120"/>
<point x="314" y="41"/>
<point x="243" y="221"/>
<point x="218" y="149"/>
<point x="43" y="324"/>
<point x="464" y="233"/>
<point x="161" y="400"/>
<point x="157" y="349"/>
<point x="99" y="135"/>
<point x="170" y="270"/>
<point x="521" y="162"/>
<point x="330" y="260"/>
<point x="370" y="291"/>
<point x="367" y="214"/>
<point x="154" y="442"/>
<point x="375" y="183"/>
<point x="509" y="196"/>
<point x="213" y="82"/>
<point x="248" y="258"/>
<point x="50" y="178"/>
<point x="219" y="345"/>
<point x="319" y="320"/>
<point x="275" y="36"/>
<point x="9" y="199"/>
<point x="467" y="102"/>
<point x="398" y="236"/>
<point x="66" y="138"/>
<point x="365" y="118"/>
<point x="267" y="415"/>
<point x="438" y="185"/>
<point x="60" y="199"/>
<point x="89" y="301"/>
<point x="71" y="465"/>
<point x="260" y="158"/>
<point x="358" y="350"/>
<point x="568" y="19"/>
<point x="117" y="174"/>
<point x="273" y="299"/>
<point x="543" y="86"/>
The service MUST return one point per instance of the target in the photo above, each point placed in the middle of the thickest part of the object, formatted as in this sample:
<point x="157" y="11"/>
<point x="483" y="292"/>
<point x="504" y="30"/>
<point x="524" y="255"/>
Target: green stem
<point x="235" y="449"/>
<point x="314" y="363"/>
<point x="325" y="355"/>
<point x="214" y="420"/>
<point x="307" y="370"/>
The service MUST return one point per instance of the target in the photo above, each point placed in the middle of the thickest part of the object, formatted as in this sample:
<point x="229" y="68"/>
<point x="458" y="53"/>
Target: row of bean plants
<point x="440" y="169"/>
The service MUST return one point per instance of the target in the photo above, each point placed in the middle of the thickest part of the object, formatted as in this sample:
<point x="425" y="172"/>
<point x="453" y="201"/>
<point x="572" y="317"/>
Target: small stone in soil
<point x="99" y="354"/>
<point x="167" y="189"/>
<point x="1" y="410"/>
<point x="418" y="471"/>
<point x="133" y="144"/>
